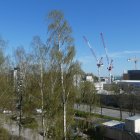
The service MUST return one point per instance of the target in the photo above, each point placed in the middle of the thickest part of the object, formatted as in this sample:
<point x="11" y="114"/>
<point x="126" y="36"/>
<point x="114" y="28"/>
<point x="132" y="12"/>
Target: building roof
<point x="133" y="118"/>
<point x="127" y="81"/>
<point x="115" y="124"/>
<point x="112" y="123"/>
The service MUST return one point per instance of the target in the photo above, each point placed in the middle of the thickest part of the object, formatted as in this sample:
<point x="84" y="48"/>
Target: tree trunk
<point x="101" y="110"/>
<point x="120" y="112"/>
<point x="42" y="98"/>
<point x="90" y="108"/>
<point x="101" y="106"/>
<point x="65" y="128"/>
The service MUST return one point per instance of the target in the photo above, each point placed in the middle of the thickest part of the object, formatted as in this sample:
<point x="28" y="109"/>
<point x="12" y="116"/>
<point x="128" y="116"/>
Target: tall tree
<point x="62" y="57"/>
<point x="40" y="50"/>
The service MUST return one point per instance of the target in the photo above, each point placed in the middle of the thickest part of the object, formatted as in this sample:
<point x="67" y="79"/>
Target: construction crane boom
<point x="98" y="61"/>
<point x="102" y="38"/>
<point x="90" y="48"/>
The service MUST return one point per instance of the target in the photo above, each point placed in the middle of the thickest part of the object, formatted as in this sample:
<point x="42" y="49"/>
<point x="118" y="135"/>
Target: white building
<point x="89" y="78"/>
<point x="132" y="124"/>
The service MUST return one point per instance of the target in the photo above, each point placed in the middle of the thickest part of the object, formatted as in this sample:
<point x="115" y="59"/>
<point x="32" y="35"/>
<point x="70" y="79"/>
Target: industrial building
<point x="131" y="80"/>
<point x="132" y="75"/>
<point x="117" y="130"/>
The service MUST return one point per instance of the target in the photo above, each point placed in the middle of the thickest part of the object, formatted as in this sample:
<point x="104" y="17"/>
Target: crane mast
<point x="109" y="61"/>
<point x="98" y="61"/>
<point x="135" y="60"/>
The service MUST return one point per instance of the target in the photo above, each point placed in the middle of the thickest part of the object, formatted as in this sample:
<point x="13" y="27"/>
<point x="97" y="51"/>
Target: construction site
<point x="69" y="70"/>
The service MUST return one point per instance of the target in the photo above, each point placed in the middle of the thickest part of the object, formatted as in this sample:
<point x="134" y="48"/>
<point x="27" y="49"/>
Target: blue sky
<point x="119" y="20"/>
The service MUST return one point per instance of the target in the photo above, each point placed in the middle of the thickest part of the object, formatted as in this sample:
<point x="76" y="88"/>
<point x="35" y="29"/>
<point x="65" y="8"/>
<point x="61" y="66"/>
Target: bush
<point x="81" y="114"/>
<point x="4" y="134"/>
<point x="29" y="122"/>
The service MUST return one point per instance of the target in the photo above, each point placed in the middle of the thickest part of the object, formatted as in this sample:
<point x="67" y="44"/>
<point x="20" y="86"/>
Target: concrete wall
<point x="115" y="134"/>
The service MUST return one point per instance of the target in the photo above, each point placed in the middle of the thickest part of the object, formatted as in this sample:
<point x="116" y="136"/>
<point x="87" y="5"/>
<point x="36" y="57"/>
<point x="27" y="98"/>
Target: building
<point x="89" y="78"/>
<point x="134" y="85"/>
<point x="132" y="124"/>
<point x="117" y="130"/>
<point x="132" y="75"/>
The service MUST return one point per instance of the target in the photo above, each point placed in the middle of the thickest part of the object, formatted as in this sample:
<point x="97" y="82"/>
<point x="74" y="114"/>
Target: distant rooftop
<point x="115" y="124"/>
<point x="133" y="118"/>
<point x="112" y="123"/>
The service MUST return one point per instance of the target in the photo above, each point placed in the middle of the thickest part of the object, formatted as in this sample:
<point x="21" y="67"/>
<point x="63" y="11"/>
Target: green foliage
<point x="55" y="80"/>
<point x="60" y="88"/>
<point x="81" y="114"/>
<point x="88" y="93"/>
<point x="115" y="87"/>
<point x="6" y="91"/>
<point x="29" y="122"/>
<point x="4" y="135"/>
<point x="59" y="29"/>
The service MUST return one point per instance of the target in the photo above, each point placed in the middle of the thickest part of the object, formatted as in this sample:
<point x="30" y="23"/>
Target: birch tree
<point x="62" y="54"/>
<point x="40" y="50"/>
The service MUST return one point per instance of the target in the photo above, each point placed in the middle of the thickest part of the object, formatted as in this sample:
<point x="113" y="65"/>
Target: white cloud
<point x="122" y="54"/>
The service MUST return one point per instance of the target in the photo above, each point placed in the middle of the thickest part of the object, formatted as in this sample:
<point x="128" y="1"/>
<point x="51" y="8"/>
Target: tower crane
<point x="109" y="61"/>
<point x="135" y="60"/>
<point x="98" y="61"/>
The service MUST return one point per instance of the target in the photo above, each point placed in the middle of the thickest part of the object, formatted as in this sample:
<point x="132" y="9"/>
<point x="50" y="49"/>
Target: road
<point x="105" y="111"/>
